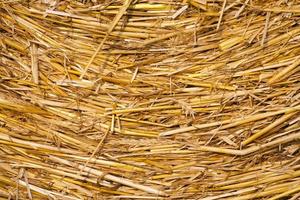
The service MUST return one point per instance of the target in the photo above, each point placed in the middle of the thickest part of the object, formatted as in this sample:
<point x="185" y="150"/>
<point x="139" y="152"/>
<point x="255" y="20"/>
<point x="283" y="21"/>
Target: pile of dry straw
<point x="140" y="99"/>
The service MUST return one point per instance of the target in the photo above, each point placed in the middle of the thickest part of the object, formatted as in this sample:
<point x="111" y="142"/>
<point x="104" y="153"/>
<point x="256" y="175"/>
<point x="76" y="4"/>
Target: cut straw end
<point x="278" y="76"/>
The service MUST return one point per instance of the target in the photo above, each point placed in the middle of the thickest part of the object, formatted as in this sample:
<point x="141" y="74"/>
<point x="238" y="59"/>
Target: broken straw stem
<point x="109" y="177"/>
<point x="111" y="28"/>
<point x="230" y="122"/>
<point x="252" y="149"/>
<point x="268" y="128"/>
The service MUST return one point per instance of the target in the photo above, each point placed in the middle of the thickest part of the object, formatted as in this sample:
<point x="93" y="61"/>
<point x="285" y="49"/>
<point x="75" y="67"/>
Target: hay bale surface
<point x="164" y="99"/>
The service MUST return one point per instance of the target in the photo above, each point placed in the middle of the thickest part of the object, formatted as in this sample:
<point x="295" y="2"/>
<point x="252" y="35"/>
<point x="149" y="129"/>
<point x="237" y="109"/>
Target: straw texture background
<point x="140" y="99"/>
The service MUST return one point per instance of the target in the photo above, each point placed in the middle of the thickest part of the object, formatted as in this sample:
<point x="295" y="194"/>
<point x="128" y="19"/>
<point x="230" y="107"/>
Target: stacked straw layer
<point x="140" y="99"/>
